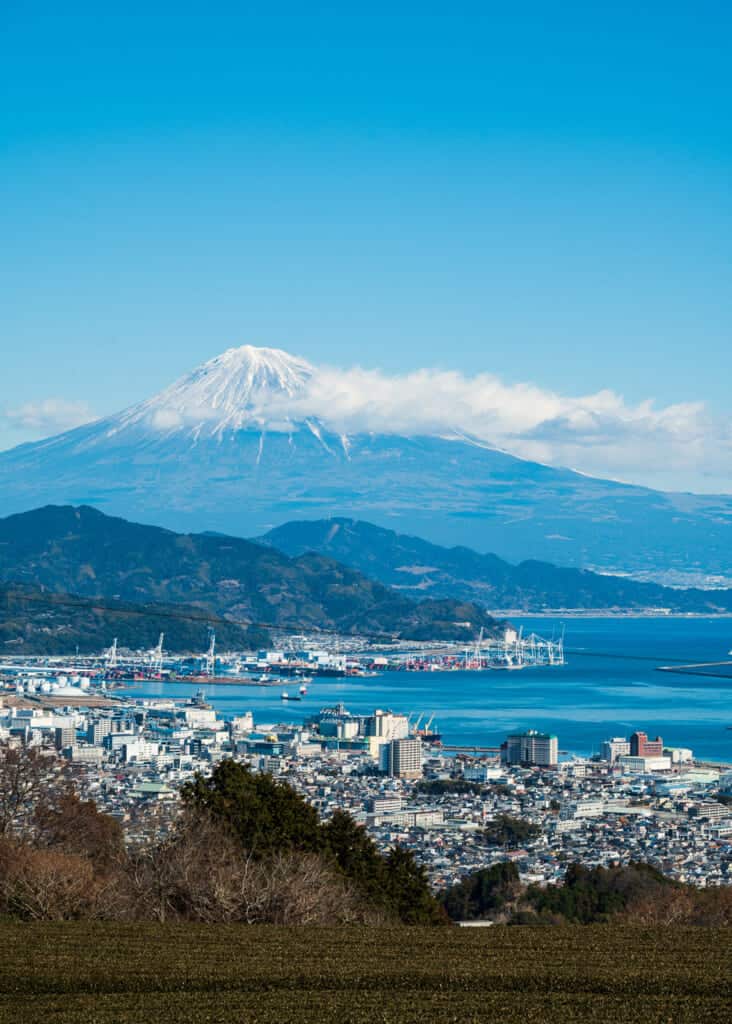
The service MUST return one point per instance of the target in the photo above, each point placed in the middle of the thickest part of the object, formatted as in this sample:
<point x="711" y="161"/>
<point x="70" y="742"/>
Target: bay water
<point x="610" y="686"/>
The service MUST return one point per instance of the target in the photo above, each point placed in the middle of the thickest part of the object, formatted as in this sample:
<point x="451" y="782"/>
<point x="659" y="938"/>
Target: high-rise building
<point x="404" y="758"/>
<point x="64" y="736"/>
<point x="617" y="747"/>
<point x="387" y="726"/>
<point x="641" y="746"/>
<point x="531" y="747"/>
<point x="381" y="728"/>
<point x="97" y="730"/>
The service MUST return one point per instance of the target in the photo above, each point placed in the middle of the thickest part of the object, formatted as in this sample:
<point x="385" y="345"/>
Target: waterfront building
<point x="582" y="809"/>
<point x="242" y="723"/>
<point x="404" y="758"/>
<point x="482" y="772"/>
<point x="615" y="748"/>
<point x="679" y="755"/>
<point x="642" y="765"/>
<point x="387" y="726"/>
<point x="641" y="746"/>
<point x="381" y="729"/>
<point x="90" y="755"/>
<point x="531" y="748"/>
<point x="711" y="810"/>
<point x="385" y="804"/>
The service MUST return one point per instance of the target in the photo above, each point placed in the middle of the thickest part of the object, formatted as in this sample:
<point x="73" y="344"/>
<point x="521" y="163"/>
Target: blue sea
<point x="610" y="686"/>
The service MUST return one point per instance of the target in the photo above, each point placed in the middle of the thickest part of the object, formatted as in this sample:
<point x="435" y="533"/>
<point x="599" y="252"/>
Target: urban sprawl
<point x="639" y="800"/>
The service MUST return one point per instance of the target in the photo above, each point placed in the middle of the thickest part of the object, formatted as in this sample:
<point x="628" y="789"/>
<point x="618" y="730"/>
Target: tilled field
<point x="102" y="973"/>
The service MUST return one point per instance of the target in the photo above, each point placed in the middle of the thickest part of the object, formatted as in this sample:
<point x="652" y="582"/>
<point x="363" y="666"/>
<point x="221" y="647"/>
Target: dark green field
<point x="102" y="973"/>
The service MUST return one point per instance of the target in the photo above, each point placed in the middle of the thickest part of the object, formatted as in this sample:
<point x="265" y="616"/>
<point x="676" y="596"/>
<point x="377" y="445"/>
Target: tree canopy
<point x="507" y="831"/>
<point x="269" y="817"/>
<point x="483" y="893"/>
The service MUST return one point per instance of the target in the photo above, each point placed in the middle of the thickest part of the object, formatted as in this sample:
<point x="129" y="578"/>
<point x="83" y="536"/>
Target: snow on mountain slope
<point x="243" y="388"/>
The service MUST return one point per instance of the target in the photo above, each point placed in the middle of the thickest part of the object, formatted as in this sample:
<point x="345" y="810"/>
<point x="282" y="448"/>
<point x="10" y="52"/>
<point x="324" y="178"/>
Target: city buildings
<point x="641" y="746"/>
<point x="613" y="749"/>
<point x="133" y="755"/>
<point x="404" y="759"/>
<point x="633" y="763"/>
<point x="531" y="748"/>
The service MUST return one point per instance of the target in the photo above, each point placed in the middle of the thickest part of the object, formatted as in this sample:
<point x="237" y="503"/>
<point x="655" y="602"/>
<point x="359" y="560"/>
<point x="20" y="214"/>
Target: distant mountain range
<point x="231" y="447"/>
<point x="83" y="552"/>
<point x="419" y="568"/>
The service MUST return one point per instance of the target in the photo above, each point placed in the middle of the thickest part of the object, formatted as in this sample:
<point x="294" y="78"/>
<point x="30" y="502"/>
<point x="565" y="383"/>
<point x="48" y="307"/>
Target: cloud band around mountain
<point x="600" y="434"/>
<point x="678" y="446"/>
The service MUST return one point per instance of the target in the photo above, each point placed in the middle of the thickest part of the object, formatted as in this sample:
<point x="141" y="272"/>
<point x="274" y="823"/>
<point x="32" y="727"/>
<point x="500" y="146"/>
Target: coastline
<point x="607" y="613"/>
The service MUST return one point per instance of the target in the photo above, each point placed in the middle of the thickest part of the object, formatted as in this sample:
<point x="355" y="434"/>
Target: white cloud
<point x="166" y="419"/>
<point x="675" y="446"/>
<point x="47" y="416"/>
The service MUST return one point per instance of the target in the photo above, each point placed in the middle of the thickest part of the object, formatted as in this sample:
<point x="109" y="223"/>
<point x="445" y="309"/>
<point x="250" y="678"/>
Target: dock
<point x="709" y="669"/>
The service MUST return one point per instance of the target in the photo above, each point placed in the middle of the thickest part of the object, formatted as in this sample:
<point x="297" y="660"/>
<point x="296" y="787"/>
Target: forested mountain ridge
<point x="419" y="568"/>
<point x="84" y="552"/>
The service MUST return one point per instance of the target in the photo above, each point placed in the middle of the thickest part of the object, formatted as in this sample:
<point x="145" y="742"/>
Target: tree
<point x="26" y="775"/>
<point x="407" y="887"/>
<point x="269" y="819"/>
<point x="266" y="816"/>
<point x="202" y="873"/>
<point x="507" y="831"/>
<point x="483" y="893"/>
<point x="45" y="884"/>
<point x="77" y="827"/>
<point x="356" y="855"/>
<point x="595" y="895"/>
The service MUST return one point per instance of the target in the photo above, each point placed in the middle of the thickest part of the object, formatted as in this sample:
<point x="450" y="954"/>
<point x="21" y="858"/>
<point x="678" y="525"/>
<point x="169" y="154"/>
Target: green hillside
<point x="418" y="568"/>
<point x="34" y="621"/>
<point x="81" y="551"/>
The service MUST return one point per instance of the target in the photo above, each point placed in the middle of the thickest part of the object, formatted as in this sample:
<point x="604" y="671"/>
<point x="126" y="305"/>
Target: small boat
<point x="199" y="701"/>
<point x="286" y="696"/>
<point x="303" y="689"/>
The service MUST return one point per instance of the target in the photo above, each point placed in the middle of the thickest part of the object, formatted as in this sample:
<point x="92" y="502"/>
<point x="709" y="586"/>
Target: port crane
<point x="156" y="655"/>
<point x="478" y="647"/>
<point x="209" y="658"/>
<point x="110" y="655"/>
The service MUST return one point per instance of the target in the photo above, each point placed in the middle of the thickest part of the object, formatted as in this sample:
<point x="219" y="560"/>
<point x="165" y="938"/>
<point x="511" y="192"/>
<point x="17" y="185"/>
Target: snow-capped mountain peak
<point x="243" y="387"/>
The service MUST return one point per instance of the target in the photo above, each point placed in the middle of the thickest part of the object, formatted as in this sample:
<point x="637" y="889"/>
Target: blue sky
<point x="542" y="195"/>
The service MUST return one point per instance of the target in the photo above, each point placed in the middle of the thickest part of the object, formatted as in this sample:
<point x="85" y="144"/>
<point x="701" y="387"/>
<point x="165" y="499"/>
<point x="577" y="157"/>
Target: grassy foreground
<point x="99" y="973"/>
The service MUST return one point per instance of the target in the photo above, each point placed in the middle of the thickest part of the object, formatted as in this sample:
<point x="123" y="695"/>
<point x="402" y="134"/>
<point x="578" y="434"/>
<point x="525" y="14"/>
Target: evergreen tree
<point x="356" y="855"/>
<point x="482" y="893"/>
<point x="265" y="815"/>
<point x="269" y="817"/>
<point x="408" y="890"/>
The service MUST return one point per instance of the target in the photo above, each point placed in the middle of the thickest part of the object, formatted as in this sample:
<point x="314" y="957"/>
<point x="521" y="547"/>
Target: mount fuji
<point x="234" y="447"/>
